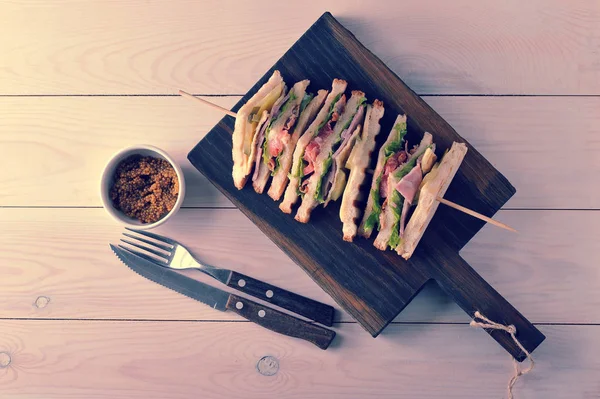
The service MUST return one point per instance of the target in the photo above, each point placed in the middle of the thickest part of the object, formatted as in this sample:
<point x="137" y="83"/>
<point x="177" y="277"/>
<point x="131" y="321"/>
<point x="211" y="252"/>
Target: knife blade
<point x="264" y="316"/>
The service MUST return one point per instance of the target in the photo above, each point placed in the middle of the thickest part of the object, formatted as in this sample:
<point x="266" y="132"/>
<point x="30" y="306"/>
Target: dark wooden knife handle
<point x="317" y="311"/>
<point x="280" y="322"/>
<point x="472" y="293"/>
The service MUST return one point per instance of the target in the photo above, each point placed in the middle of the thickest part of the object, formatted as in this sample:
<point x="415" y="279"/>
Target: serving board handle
<point x="472" y="293"/>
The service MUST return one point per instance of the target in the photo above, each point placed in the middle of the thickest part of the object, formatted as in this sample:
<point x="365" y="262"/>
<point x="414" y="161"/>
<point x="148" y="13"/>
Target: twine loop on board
<point x="486" y="323"/>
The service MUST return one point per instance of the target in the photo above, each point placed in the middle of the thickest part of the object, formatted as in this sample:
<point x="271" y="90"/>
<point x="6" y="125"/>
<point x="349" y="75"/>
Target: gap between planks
<point x="408" y="323"/>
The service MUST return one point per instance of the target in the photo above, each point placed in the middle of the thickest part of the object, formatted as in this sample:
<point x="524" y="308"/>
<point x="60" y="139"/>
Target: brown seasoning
<point x="145" y="188"/>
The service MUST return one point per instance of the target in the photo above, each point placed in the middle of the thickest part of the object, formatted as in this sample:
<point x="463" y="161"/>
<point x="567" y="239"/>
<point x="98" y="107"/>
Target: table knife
<point x="264" y="316"/>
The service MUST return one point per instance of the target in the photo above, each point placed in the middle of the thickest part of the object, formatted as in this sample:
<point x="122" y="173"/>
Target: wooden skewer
<point x="203" y="101"/>
<point x="440" y="199"/>
<point x="474" y="214"/>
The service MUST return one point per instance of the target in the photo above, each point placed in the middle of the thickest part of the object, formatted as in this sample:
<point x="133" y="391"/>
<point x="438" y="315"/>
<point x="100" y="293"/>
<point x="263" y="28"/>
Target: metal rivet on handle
<point x="261" y="313"/>
<point x="269" y="294"/>
<point x="241" y="282"/>
<point x="239" y="305"/>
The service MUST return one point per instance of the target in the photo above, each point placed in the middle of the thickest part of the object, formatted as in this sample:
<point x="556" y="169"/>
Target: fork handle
<point x="280" y="322"/>
<point x="317" y="311"/>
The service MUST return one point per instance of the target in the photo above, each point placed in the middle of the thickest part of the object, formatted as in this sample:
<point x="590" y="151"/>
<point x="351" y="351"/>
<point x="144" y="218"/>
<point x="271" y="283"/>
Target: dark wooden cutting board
<point x="374" y="286"/>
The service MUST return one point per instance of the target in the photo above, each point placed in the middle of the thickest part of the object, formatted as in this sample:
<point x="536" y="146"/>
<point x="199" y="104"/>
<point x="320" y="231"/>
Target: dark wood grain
<point x="371" y="285"/>
<point x="309" y="308"/>
<point x="280" y="322"/>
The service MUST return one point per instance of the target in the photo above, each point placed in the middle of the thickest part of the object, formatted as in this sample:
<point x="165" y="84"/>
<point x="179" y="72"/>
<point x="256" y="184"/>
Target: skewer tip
<point x="475" y="214"/>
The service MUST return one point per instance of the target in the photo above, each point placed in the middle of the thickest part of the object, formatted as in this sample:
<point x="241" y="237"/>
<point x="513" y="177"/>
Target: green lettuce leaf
<point x="305" y="100"/>
<point x="326" y="166"/>
<point x="389" y="150"/>
<point x="265" y="153"/>
<point x="371" y="221"/>
<point x="396" y="201"/>
<point x="297" y="172"/>
<point x="287" y="104"/>
<point x="394" y="238"/>
<point x="396" y="145"/>
<point x="373" y="218"/>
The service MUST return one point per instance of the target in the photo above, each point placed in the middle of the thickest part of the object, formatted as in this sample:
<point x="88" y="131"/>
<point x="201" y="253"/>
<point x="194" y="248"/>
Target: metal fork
<point x="169" y="253"/>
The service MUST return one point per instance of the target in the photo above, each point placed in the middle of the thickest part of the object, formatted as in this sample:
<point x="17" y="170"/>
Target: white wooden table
<point x="79" y="80"/>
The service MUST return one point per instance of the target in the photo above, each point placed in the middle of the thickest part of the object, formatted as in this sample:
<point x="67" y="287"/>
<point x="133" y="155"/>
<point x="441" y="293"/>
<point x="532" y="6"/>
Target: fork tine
<point x="152" y="251"/>
<point x="153" y="244"/>
<point x="153" y="235"/>
<point x="142" y="255"/>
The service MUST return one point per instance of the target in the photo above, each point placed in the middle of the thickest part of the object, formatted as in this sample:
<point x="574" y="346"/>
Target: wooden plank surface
<point x="72" y="138"/>
<point x="52" y="150"/>
<point x="63" y="254"/>
<point x="149" y="47"/>
<point x="219" y="360"/>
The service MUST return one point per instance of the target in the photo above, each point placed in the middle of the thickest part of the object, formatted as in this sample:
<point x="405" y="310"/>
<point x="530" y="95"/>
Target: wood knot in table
<point x="268" y="366"/>
<point x="4" y="360"/>
<point x="41" y="302"/>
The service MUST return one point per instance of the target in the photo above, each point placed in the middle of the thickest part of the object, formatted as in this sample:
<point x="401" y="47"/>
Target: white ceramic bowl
<point x="108" y="179"/>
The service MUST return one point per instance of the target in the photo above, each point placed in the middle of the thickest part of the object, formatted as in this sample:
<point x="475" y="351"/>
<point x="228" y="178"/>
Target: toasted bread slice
<point x="280" y="178"/>
<point x="319" y="182"/>
<point x="390" y="216"/>
<point x="245" y="127"/>
<point x="338" y="167"/>
<point x="358" y="163"/>
<point x="336" y="178"/>
<point x="261" y="170"/>
<point x="435" y="187"/>
<point x="392" y="143"/>
<point x="291" y="192"/>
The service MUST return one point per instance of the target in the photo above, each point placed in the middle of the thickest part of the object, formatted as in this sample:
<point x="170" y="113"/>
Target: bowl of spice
<point x="142" y="187"/>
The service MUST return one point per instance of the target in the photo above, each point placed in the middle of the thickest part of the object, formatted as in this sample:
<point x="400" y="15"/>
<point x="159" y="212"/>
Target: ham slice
<point x="347" y="133"/>
<point x="278" y="143"/>
<point x="259" y="148"/>
<point x="311" y="153"/>
<point x="408" y="187"/>
<point x="261" y="134"/>
<point x="313" y="149"/>
<point x="291" y="120"/>
<point x="325" y="132"/>
<point x="277" y="106"/>
<point x="409" y="184"/>
<point x="275" y="146"/>
<point x="391" y="164"/>
<point x="308" y="169"/>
